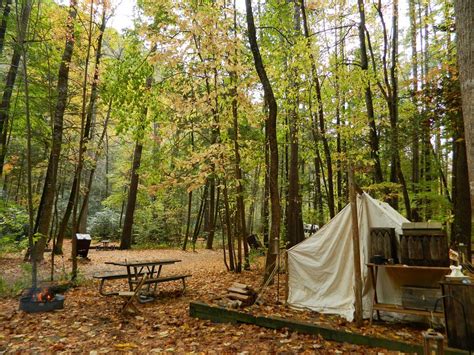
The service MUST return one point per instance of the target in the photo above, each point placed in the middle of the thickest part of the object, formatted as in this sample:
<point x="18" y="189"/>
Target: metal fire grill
<point x="29" y="304"/>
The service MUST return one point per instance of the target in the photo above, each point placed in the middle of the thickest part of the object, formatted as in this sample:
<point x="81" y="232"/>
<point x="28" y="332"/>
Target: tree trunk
<point x="465" y="32"/>
<point x="230" y="239"/>
<point x="29" y="184"/>
<point x="83" y="214"/>
<point x="188" y="220"/>
<point x="126" y="238"/>
<point x="265" y="219"/>
<point x="240" y="210"/>
<point x="10" y="81"/>
<point x="87" y="116"/>
<point x="294" y="222"/>
<point x="45" y="209"/>
<point x="461" y="228"/>
<point x="190" y="201"/>
<point x="271" y="126"/>
<point x="415" y="166"/>
<point x="4" y="24"/>
<point x="321" y="119"/>
<point x="374" y="139"/>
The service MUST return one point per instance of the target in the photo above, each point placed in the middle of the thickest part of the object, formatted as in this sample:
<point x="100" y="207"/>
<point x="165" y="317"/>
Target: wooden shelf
<point x="410" y="267"/>
<point x="416" y="271"/>
<point x="400" y="309"/>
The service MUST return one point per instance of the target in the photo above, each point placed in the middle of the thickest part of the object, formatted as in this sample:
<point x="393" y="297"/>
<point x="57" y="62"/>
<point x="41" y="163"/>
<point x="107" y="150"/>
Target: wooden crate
<point x="383" y="242"/>
<point x="424" y="247"/>
<point x="422" y="298"/>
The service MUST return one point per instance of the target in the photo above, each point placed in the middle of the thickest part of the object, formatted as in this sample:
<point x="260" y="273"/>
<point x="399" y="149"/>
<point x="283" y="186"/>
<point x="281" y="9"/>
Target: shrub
<point x="13" y="227"/>
<point x="105" y="224"/>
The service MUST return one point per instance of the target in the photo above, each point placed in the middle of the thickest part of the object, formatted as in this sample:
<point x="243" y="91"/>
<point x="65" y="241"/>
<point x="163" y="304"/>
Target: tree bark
<point x="4" y="24"/>
<point x="85" y="135"/>
<point x="271" y="126"/>
<point x="462" y="227"/>
<point x="294" y="219"/>
<point x="126" y="238"/>
<point x="321" y="119"/>
<point x="240" y="210"/>
<point x="45" y="209"/>
<point x="364" y="63"/>
<point x="465" y="31"/>
<point x="415" y="166"/>
<point x="10" y="80"/>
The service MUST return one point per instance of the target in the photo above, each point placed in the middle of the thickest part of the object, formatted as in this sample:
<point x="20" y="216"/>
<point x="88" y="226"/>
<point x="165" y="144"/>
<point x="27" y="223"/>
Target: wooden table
<point x="416" y="272"/>
<point x="151" y="268"/>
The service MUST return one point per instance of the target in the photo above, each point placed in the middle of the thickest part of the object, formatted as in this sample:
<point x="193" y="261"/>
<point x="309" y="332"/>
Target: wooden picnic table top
<point x="138" y="263"/>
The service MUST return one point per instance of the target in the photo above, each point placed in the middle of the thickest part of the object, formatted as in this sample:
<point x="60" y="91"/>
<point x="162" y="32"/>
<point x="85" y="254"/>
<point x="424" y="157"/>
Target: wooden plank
<point x="111" y="276"/>
<point x="219" y="314"/>
<point x="238" y="296"/>
<point x="222" y="315"/>
<point x="162" y="279"/>
<point x="239" y="290"/>
<point x="239" y="285"/>
<point x="413" y="267"/>
<point x="338" y="335"/>
<point x="422" y="298"/>
<point x="422" y="225"/>
<point x="400" y="309"/>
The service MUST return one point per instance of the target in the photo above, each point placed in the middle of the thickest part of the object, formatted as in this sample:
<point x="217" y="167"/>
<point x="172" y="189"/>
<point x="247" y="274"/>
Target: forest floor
<point x="92" y="323"/>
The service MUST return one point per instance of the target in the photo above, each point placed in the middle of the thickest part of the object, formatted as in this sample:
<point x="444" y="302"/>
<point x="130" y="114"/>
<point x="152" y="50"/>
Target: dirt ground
<point x="91" y="323"/>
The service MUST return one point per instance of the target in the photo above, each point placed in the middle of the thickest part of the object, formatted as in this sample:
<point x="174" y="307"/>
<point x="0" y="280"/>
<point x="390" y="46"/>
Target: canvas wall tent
<point x="321" y="272"/>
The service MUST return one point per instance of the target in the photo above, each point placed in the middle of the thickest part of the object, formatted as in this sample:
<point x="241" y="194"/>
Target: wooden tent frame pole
<point x="356" y="250"/>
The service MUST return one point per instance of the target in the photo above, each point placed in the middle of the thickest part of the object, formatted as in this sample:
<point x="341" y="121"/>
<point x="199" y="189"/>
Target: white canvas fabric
<point x="321" y="272"/>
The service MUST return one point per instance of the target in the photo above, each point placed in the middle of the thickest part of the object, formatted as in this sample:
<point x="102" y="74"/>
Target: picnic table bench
<point x="136" y="271"/>
<point x="157" y="280"/>
<point x="109" y="276"/>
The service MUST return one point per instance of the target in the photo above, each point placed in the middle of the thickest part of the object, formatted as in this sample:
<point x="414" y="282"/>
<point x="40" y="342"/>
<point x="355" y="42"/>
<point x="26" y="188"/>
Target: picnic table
<point x="136" y="270"/>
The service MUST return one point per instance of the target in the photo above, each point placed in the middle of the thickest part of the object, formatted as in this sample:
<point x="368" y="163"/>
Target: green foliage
<point x="20" y="282"/>
<point x="105" y="224"/>
<point x="159" y="224"/>
<point x="13" y="227"/>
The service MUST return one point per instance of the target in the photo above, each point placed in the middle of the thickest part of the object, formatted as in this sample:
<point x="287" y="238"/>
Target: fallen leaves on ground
<point x="91" y="323"/>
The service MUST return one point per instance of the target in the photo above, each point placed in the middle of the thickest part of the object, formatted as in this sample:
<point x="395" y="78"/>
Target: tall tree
<point x="364" y="64"/>
<point x="415" y="129"/>
<point x="126" y="238"/>
<point x="45" y="209"/>
<point x="4" y="24"/>
<point x="271" y="127"/>
<point x="11" y="78"/>
<point x="294" y="217"/>
<point x="86" y="119"/>
<point x="465" y="32"/>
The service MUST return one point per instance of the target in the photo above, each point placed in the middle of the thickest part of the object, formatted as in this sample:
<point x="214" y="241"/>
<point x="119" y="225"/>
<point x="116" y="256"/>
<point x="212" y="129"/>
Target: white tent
<point x="321" y="268"/>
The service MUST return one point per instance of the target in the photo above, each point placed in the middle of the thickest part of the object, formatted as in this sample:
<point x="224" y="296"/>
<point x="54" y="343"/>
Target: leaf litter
<point x="92" y="323"/>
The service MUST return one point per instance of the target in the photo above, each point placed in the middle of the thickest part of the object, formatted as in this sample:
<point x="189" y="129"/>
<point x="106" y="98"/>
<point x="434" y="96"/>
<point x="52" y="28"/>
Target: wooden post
<point x="287" y="278"/>
<point x="356" y="250"/>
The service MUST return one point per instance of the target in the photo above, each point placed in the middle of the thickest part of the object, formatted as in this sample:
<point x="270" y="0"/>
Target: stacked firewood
<point x="239" y="295"/>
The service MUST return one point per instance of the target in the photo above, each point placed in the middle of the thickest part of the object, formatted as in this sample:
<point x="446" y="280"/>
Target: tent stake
<point x="356" y="249"/>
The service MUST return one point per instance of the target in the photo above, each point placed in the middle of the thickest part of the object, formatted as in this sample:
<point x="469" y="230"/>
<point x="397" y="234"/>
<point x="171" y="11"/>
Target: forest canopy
<point x="184" y="126"/>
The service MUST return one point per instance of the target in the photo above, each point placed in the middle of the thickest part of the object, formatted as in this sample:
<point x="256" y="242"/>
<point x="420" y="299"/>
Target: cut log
<point x="239" y="285"/>
<point x="238" y="296"/>
<point x="240" y="290"/>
